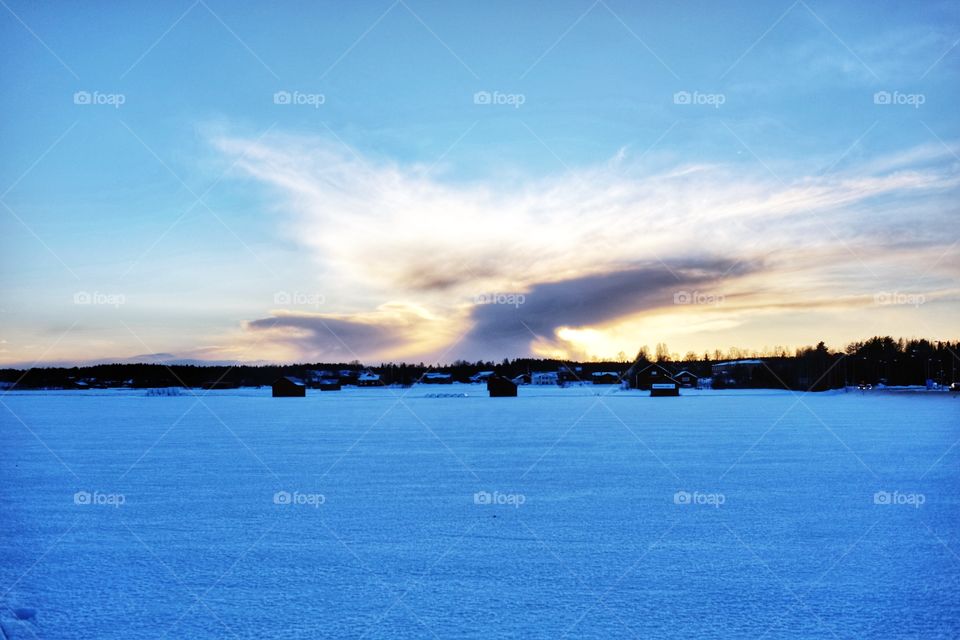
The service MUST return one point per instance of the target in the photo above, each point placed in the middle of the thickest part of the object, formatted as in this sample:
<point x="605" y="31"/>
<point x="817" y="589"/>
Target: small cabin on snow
<point x="289" y="387"/>
<point x="501" y="387"/>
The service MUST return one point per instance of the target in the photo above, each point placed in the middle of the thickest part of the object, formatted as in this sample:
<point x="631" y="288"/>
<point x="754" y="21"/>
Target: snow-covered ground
<point x="383" y="513"/>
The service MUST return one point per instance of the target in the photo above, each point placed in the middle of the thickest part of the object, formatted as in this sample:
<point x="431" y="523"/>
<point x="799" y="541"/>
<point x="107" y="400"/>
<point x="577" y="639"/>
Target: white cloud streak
<point x="392" y="234"/>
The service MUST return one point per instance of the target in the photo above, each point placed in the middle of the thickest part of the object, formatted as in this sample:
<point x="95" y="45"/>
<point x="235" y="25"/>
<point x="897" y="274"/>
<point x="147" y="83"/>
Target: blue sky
<point x="693" y="173"/>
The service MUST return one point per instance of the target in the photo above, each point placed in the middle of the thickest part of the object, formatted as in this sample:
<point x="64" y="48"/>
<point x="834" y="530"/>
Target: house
<point x="501" y="387"/>
<point x="643" y="375"/>
<point x="544" y="377"/>
<point x="687" y="380"/>
<point x="481" y="376"/>
<point x="568" y="374"/>
<point x="734" y="372"/>
<point x="347" y="376"/>
<point x="327" y="384"/>
<point x="313" y="377"/>
<point x="369" y="379"/>
<point x="323" y="379"/>
<point x="436" y="378"/>
<point x="605" y="377"/>
<point x="289" y="387"/>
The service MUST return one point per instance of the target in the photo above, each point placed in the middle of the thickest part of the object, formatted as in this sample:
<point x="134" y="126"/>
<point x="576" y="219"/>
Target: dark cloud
<point x="433" y="270"/>
<point x="338" y="339"/>
<point x="501" y="329"/>
<point x="504" y="330"/>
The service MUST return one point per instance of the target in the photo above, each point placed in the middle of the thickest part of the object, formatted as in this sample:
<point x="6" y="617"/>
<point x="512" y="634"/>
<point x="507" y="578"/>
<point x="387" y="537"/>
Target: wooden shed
<point x="501" y="387"/>
<point x="289" y="387"/>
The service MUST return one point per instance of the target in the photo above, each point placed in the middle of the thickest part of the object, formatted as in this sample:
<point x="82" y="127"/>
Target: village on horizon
<point x="878" y="362"/>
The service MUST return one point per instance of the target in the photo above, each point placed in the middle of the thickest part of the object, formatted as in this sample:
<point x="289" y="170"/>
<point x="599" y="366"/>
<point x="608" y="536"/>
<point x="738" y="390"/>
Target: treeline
<point x="879" y="360"/>
<point x="148" y="376"/>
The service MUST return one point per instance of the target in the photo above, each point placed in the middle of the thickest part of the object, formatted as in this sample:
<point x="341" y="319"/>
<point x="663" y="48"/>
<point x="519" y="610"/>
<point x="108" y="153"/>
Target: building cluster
<point x="879" y="362"/>
<point x="658" y="379"/>
<point x="640" y="375"/>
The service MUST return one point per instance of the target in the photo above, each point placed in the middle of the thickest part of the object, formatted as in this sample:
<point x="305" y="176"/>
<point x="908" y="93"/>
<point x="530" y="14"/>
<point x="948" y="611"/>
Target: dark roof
<point x="641" y="366"/>
<point x="653" y="365"/>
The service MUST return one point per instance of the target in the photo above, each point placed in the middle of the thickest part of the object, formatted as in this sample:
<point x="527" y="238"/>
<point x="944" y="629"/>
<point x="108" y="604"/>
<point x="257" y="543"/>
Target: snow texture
<point x="383" y="513"/>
